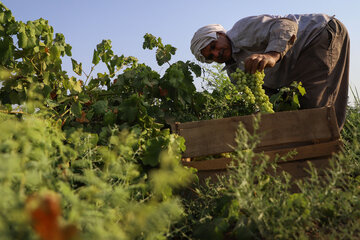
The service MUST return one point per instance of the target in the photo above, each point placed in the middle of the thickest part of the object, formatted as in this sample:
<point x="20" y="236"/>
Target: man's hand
<point x="259" y="61"/>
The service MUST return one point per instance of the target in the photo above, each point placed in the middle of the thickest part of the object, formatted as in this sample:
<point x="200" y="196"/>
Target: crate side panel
<point x="310" y="125"/>
<point x="283" y="128"/>
<point x="306" y="152"/>
<point x="212" y="136"/>
<point x="300" y="169"/>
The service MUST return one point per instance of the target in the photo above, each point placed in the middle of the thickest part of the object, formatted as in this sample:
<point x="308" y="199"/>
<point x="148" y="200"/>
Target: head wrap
<point x="203" y="37"/>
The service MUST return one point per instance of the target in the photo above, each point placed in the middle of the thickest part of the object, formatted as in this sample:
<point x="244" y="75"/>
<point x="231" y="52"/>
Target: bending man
<point x="311" y="48"/>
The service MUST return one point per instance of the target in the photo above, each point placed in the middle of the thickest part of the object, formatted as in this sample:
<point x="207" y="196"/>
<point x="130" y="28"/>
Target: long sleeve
<point x="263" y="33"/>
<point x="282" y="36"/>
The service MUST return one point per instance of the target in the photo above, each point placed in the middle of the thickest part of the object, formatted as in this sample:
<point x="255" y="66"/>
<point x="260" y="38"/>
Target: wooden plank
<point x="281" y="129"/>
<point x="211" y="136"/>
<point x="208" y="165"/>
<point x="303" y="153"/>
<point x="307" y="152"/>
<point x="297" y="169"/>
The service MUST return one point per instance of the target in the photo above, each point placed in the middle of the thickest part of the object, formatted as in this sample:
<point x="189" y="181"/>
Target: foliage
<point x="103" y="191"/>
<point x="287" y="98"/>
<point x="92" y="156"/>
<point x="92" y="141"/>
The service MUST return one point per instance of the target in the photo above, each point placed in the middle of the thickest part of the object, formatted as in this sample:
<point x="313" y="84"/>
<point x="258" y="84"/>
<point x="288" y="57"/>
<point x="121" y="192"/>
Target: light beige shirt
<point x="265" y="33"/>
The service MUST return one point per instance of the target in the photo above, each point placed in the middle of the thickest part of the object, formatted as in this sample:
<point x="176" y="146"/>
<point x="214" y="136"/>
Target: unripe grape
<point x="249" y="86"/>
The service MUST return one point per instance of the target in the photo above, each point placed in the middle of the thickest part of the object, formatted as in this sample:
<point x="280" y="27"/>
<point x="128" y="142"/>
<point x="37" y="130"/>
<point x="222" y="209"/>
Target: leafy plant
<point x="92" y="156"/>
<point x="287" y="98"/>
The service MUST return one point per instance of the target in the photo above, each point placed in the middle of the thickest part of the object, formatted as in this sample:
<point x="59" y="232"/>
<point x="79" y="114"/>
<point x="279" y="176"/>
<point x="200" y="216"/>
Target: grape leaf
<point x="153" y="149"/>
<point x="100" y="107"/>
<point x="68" y="50"/>
<point x="76" y="109"/>
<point x="301" y="89"/>
<point x="96" y="58"/>
<point x="77" y="68"/>
<point x="195" y="68"/>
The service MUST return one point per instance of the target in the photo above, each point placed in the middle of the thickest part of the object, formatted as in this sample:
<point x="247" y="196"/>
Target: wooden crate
<point x="313" y="133"/>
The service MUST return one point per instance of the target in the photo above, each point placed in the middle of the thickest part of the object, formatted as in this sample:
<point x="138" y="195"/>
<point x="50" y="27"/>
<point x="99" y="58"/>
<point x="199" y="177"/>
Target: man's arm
<point x="260" y="61"/>
<point x="281" y="36"/>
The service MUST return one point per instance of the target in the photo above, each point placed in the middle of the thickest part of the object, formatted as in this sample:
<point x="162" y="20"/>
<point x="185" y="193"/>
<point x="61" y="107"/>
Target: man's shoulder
<point x="315" y="17"/>
<point x="249" y="24"/>
<point x="267" y="17"/>
<point x="250" y="21"/>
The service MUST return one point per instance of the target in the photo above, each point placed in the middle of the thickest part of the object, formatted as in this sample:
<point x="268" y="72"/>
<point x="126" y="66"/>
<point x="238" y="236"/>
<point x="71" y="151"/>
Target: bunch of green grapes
<point x="250" y="88"/>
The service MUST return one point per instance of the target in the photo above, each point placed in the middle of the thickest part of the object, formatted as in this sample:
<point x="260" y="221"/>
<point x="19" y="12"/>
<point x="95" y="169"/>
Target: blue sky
<point x="86" y="22"/>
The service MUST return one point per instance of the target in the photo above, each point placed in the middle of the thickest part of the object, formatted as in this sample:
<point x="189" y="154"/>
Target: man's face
<point x="218" y="50"/>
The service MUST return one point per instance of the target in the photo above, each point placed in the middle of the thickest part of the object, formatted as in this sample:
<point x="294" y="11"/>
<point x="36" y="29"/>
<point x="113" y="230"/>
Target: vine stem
<point x="88" y="75"/>
<point x="68" y="110"/>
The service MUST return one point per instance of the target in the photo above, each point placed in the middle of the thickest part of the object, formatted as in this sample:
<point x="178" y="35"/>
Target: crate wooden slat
<point x="303" y="152"/>
<point x="312" y="133"/>
<point x="281" y="129"/>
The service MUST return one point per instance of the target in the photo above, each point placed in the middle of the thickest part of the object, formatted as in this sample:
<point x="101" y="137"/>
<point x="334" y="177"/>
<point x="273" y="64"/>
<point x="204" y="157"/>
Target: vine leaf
<point x="96" y="58"/>
<point x="77" y="67"/>
<point x="76" y="109"/>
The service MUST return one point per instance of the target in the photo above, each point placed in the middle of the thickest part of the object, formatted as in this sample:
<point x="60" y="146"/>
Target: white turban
<point x="203" y="37"/>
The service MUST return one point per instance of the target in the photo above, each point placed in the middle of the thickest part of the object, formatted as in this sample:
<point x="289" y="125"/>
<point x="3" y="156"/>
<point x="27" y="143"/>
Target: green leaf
<point x="129" y="112"/>
<point x="59" y="38"/>
<point x="46" y="91"/>
<point x="84" y="98"/>
<point x="55" y="52"/>
<point x="52" y="104"/>
<point x="181" y="143"/>
<point x="12" y="28"/>
<point x="109" y="118"/>
<point x="296" y="100"/>
<point x="2" y="17"/>
<point x="100" y="107"/>
<point x="77" y="86"/>
<point x="68" y="50"/>
<point x="106" y="57"/>
<point x="77" y="68"/>
<point x="8" y="16"/>
<point x="22" y="40"/>
<point x="76" y="109"/>
<point x="90" y="114"/>
<point x="103" y="78"/>
<point x="31" y="42"/>
<point x="153" y="149"/>
<point x="151" y="42"/>
<point x="104" y="45"/>
<point x="163" y="55"/>
<point x="301" y="89"/>
<point x="6" y="51"/>
<point x="195" y="68"/>
<point x="96" y="58"/>
<point x="275" y="97"/>
<point x="5" y="74"/>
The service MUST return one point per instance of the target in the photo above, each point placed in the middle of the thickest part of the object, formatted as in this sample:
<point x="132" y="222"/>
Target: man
<point x="309" y="48"/>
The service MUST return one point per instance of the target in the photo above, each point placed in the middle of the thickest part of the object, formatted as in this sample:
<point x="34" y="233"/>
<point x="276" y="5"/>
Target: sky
<point x="85" y="23"/>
